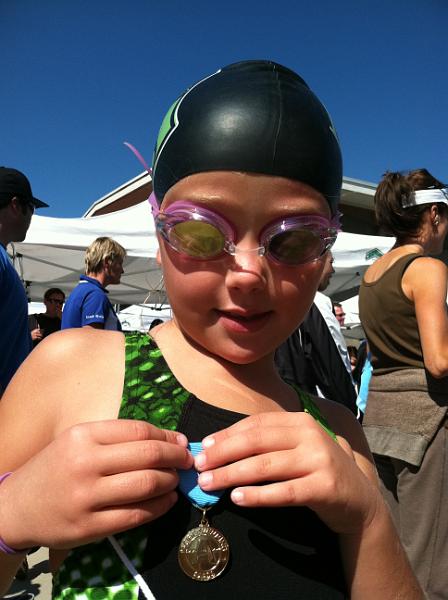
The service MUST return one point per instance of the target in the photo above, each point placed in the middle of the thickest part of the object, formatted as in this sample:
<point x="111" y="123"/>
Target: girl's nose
<point x="247" y="270"/>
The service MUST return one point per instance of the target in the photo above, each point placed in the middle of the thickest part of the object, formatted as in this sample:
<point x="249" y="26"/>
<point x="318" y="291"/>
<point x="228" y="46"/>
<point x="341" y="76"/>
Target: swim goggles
<point x="199" y="233"/>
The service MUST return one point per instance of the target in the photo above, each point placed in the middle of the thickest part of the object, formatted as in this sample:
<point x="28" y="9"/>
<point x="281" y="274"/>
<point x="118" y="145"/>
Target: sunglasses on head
<point x="199" y="233"/>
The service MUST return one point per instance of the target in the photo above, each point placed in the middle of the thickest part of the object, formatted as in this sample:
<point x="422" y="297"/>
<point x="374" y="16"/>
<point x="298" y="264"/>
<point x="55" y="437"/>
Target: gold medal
<point x="203" y="552"/>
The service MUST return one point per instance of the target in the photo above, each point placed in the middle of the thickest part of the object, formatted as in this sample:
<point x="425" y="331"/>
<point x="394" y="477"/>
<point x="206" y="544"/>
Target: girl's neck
<point x="245" y="388"/>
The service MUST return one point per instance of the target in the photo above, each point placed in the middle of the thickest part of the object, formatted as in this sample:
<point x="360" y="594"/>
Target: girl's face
<point x="241" y="307"/>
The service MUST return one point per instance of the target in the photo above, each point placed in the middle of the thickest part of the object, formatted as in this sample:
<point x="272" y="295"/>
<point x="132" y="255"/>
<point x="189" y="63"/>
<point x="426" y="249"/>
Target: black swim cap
<point x="254" y="116"/>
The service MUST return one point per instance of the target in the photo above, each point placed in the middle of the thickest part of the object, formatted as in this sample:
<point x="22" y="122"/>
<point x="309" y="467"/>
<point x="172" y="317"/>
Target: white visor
<point x="432" y="196"/>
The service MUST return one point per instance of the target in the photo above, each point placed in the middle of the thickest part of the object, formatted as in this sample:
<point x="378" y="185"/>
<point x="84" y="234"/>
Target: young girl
<point x="247" y="174"/>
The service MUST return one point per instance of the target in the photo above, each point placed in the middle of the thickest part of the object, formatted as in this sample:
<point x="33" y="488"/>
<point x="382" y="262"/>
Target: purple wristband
<point x="4" y="547"/>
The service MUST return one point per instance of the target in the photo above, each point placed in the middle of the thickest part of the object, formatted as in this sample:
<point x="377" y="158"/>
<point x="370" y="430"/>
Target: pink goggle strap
<point x="336" y="221"/>
<point x="154" y="205"/>
<point x="152" y="199"/>
<point x="139" y="157"/>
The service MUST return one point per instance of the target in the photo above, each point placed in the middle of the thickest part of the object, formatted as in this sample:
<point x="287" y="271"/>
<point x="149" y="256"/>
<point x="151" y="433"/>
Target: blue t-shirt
<point x="15" y="339"/>
<point x="88" y="304"/>
<point x="366" y="375"/>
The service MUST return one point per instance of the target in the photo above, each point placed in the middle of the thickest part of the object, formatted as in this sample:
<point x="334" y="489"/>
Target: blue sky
<point x="79" y="77"/>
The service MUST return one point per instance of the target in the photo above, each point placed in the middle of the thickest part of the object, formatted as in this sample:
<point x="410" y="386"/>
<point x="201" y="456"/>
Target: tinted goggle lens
<point x="296" y="246"/>
<point x="198" y="239"/>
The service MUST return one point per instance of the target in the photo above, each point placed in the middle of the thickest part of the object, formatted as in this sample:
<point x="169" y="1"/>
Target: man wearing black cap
<point x="17" y="205"/>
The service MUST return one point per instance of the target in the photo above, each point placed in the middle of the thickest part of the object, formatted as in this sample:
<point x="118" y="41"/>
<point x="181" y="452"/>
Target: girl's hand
<point x="93" y="480"/>
<point x="297" y="462"/>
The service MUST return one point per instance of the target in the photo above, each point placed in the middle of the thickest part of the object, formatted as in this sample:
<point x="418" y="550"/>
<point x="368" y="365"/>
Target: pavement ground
<point x="38" y="581"/>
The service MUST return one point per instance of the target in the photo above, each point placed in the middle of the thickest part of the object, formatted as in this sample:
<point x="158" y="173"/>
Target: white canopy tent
<point x="140" y="316"/>
<point x="353" y="254"/>
<point x="53" y="255"/>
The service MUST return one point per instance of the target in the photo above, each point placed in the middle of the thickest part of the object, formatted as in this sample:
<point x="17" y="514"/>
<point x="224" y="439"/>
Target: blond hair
<point x="101" y="249"/>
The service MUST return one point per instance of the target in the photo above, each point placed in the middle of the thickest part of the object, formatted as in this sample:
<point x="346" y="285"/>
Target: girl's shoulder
<point x="340" y="418"/>
<point x="349" y="433"/>
<point x="78" y="340"/>
<point x="72" y="376"/>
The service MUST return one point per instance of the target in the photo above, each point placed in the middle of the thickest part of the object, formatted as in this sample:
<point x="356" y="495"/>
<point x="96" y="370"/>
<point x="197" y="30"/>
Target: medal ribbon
<point x="188" y="483"/>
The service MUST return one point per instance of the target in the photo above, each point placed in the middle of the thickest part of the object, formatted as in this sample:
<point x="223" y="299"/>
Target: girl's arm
<point x="308" y="468"/>
<point x="425" y="283"/>
<point x="79" y="474"/>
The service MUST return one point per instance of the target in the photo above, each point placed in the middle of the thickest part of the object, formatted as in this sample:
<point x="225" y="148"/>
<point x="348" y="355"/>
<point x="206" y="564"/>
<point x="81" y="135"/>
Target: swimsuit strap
<point x="150" y="391"/>
<point x="311" y="408"/>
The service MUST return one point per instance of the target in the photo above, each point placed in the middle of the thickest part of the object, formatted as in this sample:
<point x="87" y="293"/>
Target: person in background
<point x="325" y="306"/>
<point x="402" y="307"/>
<point x="353" y="355"/>
<point x="339" y="313"/>
<point x="43" y="324"/>
<point x="88" y="305"/>
<point x="17" y="205"/>
<point x="362" y="375"/>
<point x="310" y="358"/>
<point x="154" y="323"/>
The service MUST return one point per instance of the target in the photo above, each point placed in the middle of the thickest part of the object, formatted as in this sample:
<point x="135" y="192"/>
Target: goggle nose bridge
<point x="233" y="249"/>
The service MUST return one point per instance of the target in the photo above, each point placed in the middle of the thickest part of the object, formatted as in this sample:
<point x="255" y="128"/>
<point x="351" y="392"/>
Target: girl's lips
<point x="241" y="323"/>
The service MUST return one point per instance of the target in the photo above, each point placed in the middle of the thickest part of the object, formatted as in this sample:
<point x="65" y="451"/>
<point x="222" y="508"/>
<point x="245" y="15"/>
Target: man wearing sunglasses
<point x="42" y="324"/>
<point x="17" y="205"/>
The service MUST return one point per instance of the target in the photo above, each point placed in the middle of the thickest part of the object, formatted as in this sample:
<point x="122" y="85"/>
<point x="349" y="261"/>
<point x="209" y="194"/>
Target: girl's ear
<point x="158" y="257"/>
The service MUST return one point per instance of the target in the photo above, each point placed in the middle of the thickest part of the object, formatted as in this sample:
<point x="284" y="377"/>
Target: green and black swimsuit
<point x="279" y="553"/>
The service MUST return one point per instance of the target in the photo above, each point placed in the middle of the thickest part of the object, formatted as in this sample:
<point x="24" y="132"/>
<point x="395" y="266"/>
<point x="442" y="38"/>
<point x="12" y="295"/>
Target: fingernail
<point x="208" y="442"/>
<point x="181" y="439"/>
<point x="200" y="460"/>
<point x="237" y="497"/>
<point x="205" y="479"/>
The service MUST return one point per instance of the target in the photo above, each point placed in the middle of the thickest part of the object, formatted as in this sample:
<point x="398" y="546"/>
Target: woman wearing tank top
<point x="403" y="311"/>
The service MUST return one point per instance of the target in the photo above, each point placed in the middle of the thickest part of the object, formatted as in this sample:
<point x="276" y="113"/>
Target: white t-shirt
<point x="325" y="307"/>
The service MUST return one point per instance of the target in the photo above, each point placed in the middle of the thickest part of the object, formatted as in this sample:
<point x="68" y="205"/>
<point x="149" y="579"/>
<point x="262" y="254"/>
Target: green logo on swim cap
<point x="168" y="124"/>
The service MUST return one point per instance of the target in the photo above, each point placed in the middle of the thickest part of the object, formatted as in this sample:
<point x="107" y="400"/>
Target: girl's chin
<point x="235" y="347"/>
<point x="238" y="353"/>
<point x="241" y="359"/>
